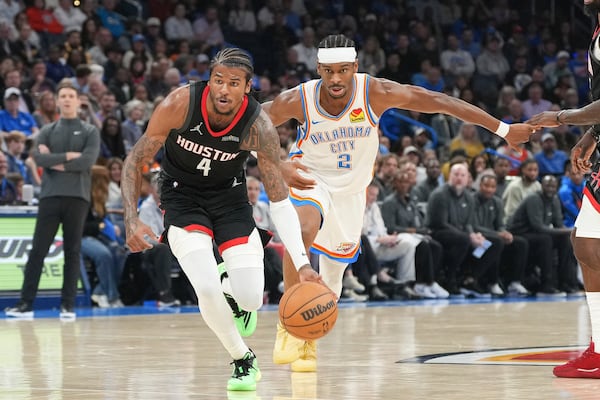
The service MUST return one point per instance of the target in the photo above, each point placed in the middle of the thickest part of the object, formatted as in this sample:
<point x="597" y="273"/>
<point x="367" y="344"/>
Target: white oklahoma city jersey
<point x="339" y="150"/>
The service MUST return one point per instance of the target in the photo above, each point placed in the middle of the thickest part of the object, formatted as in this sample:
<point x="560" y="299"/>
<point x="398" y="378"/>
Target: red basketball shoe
<point x="587" y="365"/>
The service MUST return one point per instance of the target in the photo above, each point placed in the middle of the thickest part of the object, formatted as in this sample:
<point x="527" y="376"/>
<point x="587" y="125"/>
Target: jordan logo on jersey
<point x="357" y="115"/>
<point x="197" y="128"/>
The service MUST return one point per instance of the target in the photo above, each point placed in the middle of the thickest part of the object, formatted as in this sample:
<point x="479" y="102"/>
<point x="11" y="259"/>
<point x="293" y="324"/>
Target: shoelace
<point x="242" y="367"/>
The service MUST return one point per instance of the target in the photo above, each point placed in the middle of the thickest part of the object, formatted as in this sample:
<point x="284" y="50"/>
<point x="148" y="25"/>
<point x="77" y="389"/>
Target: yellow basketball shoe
<point x="308" y="358"/>
<point x="287" y="347"/>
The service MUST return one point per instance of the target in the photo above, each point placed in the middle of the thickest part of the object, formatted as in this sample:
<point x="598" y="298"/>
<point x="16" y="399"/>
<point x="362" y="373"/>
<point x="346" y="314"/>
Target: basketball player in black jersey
<point x="208" y="130"/>
<point x="586" y="233"/>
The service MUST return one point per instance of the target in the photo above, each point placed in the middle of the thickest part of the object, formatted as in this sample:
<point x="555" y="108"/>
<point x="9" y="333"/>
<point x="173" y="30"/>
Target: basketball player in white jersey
<point x="586" y="234"/>
<point x="336" y="147"/>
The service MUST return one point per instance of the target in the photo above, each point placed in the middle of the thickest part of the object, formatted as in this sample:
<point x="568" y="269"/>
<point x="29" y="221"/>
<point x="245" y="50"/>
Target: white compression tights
<point x="332" y="272"/>
<point x="194" y="251"/>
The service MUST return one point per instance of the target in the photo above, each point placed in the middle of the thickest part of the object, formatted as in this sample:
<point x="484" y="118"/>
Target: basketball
<point x="308" y="310"/>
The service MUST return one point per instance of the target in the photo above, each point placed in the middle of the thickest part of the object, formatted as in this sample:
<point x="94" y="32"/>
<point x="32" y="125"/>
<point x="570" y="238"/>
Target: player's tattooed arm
<point x="263" y="139"/>
<point x="131" y="178"/>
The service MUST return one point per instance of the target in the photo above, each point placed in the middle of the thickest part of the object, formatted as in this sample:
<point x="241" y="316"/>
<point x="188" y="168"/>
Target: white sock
<point x="593" y="301"/>
<point x="332" y="272"/>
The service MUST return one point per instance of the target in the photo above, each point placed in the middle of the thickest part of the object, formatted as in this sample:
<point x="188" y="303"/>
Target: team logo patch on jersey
<point x="345" y="247"/>
<point x="357" y="115"/>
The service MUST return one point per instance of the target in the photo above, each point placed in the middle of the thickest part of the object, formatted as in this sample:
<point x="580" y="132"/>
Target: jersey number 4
<point x="204" y="166"/>
<point x="344" y="161"/>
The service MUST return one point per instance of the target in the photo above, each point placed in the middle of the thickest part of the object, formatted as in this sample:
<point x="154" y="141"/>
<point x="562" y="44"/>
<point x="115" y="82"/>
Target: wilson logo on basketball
<point x="318" y="310"/>
<point x="357" y="115"/>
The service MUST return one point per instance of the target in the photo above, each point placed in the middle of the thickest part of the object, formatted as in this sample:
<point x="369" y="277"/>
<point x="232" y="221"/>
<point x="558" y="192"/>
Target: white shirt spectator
<point x="9" y="8"/>
<point x="71" y="18"/>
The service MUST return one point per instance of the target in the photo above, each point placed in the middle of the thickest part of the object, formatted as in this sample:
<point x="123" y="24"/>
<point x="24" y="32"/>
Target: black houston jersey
<point x="201" y="157"/>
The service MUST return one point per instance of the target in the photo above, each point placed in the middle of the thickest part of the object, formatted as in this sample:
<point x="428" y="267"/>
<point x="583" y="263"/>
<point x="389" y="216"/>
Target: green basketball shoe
<point x="245" y="373"/>
<point x="245" y="321"/>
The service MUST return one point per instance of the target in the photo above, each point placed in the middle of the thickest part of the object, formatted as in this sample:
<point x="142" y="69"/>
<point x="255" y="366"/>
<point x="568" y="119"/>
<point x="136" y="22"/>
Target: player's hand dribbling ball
<point x="308" y="310"/>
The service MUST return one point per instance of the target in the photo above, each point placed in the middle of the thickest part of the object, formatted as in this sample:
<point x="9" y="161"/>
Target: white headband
<point x="336" y="55"/>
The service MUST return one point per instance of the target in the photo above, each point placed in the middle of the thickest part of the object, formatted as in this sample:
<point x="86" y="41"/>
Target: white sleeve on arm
<point x="287" y="223"/>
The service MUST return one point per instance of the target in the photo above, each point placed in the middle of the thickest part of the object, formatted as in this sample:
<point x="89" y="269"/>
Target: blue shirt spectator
<point x="112" y="21"/>
<point x="550" y="160"/>
<point x="11" y="119"/>
<point x="571" y="195"/>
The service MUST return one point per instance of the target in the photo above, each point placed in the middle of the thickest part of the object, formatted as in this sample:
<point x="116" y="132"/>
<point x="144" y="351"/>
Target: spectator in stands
<point x="468" y="140"/>
<point x="113" y="144"/>
<point x="241" y="17"/>
<point x="401" y="214"/>
<point x="502" y="166"/>
<point x="102" y="243"/>
<point x="24" y="47"/>
<point x="491" y="64"/>
<point x="158" y="260"/>
<point x="14" y="78"/>
<point x="539" y="219"/>
<point x="455" y="61"/>
<point x="102" y="42"/>
<point x="489" y="216"/>
<point x="535" y="103"/>
<point x="177" y="26"/>
<point x="207" y="31"/>
<point x="434" y="179"/>
<point x="87" y="112"/>
<point x="111" y="19"/>
<point x="38" y="82"/>
<point x="398" y="248"/>
<point x="306" y="49"/>
<point x="520" y="187"/>
<point x="133" y="126"/>
<point x="114" y="202"/>
<point x="505" y="97"/>
<point x="82" y="78"/>
<point x="138" y="49"/>
<point x="19" y="160"/>
<point x="11" y="119"/>
<point x="558" y="69"/>
<point x="387" y="166"/>
<point x="8" y="192"/>
<point x="10" y="8"/>
<point x="371" y="57"/>
<point x="140" y="94"/>
<point x="108" y="105"/>
<point x="121" y="85"/>
<point x="570" y="194"/>
<point x="45" y="23"/>
<point x="47" y="110"/>
<point x="518" y="155"/>
<point x="89" y="28"/>
<point x="451" y="217"/>
<point x="551" y="160"/>
<point x="55" y="69"/>
<point x="69" y="16"/>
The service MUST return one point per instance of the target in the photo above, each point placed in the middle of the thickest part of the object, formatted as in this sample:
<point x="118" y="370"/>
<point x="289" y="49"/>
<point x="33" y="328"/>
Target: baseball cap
<point x="138" y="38"/>
<point x="202" y="58"/>
<point x="370" y="17"/>
<point x="547" y="136"/>
<point x="410" y="149"/>
<point x="12" y="91"/>
<point x="153" y="22"/>
<point x="563" y="54"/>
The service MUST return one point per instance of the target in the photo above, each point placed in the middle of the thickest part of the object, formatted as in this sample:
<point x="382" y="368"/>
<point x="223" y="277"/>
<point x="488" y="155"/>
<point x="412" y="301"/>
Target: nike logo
<point x="76" y="132"/>
<point x="235" y="182"/>
<point x="587" y="370"/>
<point x="316" y="122"/>
<point x="197" y="128"/>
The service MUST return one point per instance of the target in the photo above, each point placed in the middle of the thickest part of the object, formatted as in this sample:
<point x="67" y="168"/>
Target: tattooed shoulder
<point x="262" y="137"/>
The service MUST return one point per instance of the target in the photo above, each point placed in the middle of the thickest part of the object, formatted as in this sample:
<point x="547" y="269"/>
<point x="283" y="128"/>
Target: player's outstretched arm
<point x="170" y="113"/>
<point x="588" y="115"/>
<point x="385" y="93"/>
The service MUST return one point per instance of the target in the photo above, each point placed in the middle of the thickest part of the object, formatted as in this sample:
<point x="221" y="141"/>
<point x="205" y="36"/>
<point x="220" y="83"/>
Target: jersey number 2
<point x="344" y="161"/>
<point x="204" y="166"/>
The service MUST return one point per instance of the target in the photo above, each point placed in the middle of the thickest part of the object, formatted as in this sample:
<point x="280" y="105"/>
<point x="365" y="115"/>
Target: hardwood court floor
<point x="384" y="351"/>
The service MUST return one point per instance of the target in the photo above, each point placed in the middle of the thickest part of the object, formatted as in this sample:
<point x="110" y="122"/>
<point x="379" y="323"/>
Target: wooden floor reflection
<point x="373" y="353"/>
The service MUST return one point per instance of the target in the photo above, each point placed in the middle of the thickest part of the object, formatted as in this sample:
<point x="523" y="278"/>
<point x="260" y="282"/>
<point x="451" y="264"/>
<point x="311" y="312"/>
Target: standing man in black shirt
<point x="66" y="149"/>
<point x="208" y="130"/>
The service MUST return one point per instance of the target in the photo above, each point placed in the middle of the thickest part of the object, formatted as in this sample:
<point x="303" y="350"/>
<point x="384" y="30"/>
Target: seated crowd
<point x="451" y="210"/>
